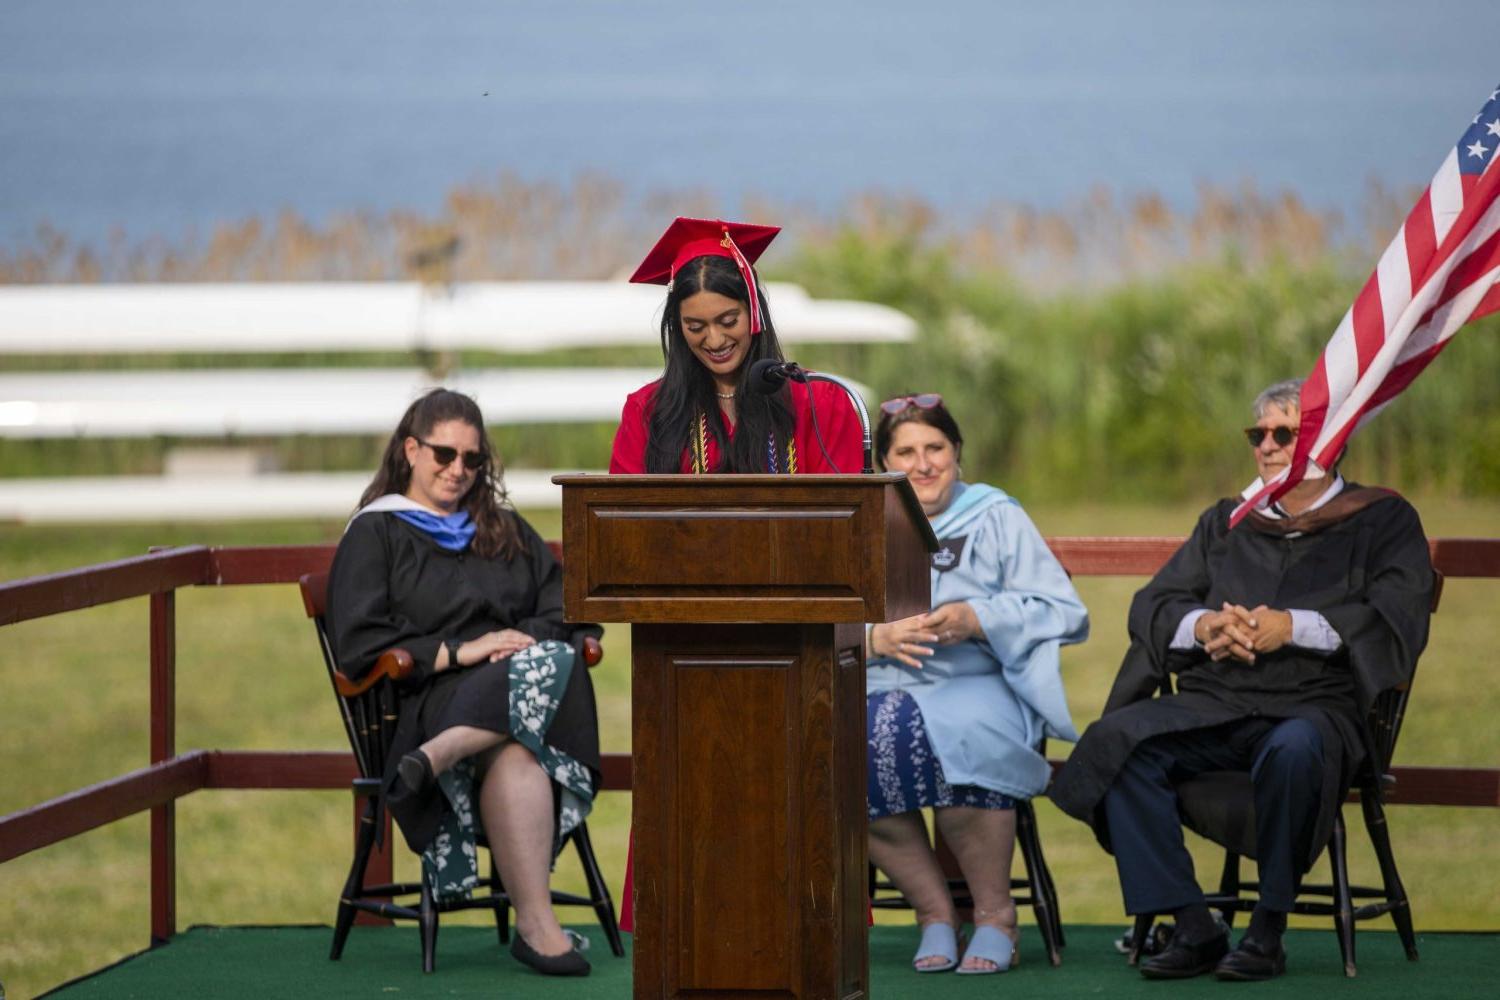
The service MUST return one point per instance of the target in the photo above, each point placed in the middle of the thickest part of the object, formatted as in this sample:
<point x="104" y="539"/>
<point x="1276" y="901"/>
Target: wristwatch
<point x="452" y="646"/>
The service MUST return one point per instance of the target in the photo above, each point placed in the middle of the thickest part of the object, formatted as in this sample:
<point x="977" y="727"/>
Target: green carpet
<point x="262" y="962"/>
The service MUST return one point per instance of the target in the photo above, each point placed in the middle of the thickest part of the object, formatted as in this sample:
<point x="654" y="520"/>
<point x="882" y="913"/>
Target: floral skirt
<point x="904" y="775"/>
<point x="538" y="677"/>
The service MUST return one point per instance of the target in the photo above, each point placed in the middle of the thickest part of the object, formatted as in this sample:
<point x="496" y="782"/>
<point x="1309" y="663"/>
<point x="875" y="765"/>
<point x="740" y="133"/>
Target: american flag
<point x="1441" y="271"/>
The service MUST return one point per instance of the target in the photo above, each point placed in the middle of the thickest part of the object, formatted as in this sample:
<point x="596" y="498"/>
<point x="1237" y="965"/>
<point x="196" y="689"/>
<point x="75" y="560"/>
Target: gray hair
<point x="1286" y="394"/>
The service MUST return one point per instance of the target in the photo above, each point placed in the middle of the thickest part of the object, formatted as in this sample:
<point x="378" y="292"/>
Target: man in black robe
<point x="1281" y="631"/>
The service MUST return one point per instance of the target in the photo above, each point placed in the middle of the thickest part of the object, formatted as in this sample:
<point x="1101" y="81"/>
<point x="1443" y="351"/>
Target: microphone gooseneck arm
<point x="866" y="454"/>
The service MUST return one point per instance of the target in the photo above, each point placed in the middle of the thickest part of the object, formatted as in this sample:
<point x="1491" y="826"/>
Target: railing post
<point x="163" y="746"/>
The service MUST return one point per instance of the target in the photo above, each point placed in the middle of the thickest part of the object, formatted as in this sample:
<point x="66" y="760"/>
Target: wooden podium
<point x="747" y="596"/>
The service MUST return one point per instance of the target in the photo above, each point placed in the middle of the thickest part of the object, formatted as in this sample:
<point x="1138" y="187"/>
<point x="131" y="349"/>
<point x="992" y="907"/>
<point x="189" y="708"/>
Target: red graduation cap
<point x="687" y="239"/>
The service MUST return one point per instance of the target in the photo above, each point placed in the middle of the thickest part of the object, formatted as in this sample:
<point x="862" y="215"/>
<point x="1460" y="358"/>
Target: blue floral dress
<point x="904" y="774"/>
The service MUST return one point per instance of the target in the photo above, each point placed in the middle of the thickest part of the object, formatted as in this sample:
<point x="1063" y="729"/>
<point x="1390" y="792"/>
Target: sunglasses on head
<point x="1283" y="436"/>
<point x="922" y="401"/>
<point x="445" y="455"/>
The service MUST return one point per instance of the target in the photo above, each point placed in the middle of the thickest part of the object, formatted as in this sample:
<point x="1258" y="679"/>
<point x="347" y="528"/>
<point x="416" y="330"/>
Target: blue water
<point x="163" y="115"/>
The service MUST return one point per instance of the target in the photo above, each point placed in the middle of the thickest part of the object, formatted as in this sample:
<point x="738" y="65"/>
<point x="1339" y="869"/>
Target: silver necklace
<point x="724" y="395"/>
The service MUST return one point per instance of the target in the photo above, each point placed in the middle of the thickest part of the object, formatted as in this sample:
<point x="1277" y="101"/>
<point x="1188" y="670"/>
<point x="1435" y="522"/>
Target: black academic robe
<point x="391" y="584"/>
<point x="1362" y="562"/>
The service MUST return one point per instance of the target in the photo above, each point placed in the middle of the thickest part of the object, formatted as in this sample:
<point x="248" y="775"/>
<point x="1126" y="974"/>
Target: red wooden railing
<point x="171" y="775"/>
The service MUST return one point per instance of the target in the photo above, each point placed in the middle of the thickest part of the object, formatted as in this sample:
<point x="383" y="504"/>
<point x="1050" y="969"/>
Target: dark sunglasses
<point x="922" y="401"/>
<point x="1283" y="436"/>
<point x="445" y="455"/>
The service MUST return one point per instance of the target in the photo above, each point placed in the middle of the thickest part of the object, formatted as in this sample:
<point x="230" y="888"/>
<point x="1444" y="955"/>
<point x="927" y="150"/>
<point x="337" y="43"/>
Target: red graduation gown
<point x="836" y="418"/>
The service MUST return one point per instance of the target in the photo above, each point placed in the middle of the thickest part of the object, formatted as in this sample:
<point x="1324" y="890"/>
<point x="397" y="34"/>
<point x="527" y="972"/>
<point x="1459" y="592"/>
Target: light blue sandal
<point x="991" y="944"/>
<point x="939" y="940"/>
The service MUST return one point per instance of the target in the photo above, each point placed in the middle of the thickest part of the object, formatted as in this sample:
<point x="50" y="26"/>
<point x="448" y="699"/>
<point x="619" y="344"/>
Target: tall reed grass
<point x="1107" y="348"/>
<point x="507" y="228"/>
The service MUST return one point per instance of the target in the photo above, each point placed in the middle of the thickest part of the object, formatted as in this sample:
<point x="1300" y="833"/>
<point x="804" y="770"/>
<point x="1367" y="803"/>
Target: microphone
<point x="767" y="376"/>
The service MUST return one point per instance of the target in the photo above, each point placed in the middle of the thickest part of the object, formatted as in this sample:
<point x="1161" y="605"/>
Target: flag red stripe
<point x="1315" y="390"/>
<point x="1314" y="401"/>
<point x="1421" y="238"/>
<point x="1369" y="324"/>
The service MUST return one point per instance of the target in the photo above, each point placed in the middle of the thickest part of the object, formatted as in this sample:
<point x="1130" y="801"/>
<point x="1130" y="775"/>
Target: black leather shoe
<point x="569" y="963"/>
<point x="1184" y="961"/>
<point x="415" y="771"/>
<point x="1252" y="962"/>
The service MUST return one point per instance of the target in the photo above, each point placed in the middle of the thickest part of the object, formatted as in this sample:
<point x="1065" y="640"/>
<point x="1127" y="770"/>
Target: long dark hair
<point x="488" y="506"/>
<point x="935" y="416"/>
<point x="687" y="388"/>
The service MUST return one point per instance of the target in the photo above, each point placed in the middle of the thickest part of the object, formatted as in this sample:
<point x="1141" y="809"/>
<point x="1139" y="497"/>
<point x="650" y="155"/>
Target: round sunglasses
<point x="922" y="401"/>
<point x="445" y="454"/>
<point x="1283" y="436"/>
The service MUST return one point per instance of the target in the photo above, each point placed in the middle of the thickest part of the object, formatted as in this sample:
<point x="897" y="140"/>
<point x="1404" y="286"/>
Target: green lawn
<point x="249" y="676"/>
<point x="230" y="963"/>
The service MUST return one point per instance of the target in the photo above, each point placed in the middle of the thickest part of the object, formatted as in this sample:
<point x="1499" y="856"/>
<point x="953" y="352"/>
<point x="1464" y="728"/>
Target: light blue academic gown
<point x="988" y="701"/>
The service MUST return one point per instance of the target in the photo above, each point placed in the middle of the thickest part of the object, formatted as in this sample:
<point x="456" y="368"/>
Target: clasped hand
<point x="908" y="638"/>
<point x="1239" y="633"/>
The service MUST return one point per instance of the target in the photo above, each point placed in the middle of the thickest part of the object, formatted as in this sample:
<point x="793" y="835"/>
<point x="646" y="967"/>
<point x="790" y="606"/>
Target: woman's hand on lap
<point x="493" y="646"/>
<point x="903" y="640"/>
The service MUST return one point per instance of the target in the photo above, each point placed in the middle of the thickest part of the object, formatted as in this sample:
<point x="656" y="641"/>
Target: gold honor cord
<point x="699" y="449"/>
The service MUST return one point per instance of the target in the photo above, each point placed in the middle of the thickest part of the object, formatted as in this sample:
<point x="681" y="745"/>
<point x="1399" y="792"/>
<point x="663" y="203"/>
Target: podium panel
<point x="749" y="812"/>
<point x="650" y="550"/>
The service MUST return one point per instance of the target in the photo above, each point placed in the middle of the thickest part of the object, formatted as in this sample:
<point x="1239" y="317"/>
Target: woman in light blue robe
<point x="960" y="699"/>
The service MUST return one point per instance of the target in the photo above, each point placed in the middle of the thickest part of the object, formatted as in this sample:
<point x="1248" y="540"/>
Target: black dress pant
<point x="1285" y="761"/>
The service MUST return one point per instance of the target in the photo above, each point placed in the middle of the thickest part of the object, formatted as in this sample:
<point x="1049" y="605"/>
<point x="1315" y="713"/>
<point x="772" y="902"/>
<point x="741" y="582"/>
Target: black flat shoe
<point x="1184" y="961"/>
<point x="1252" y="962"/>
<point x="415" y="771"/>
<point x="569" y="963"/>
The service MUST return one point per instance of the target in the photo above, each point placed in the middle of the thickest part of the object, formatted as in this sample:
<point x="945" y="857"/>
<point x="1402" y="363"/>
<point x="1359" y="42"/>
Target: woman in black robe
<point x="436" y="563"/>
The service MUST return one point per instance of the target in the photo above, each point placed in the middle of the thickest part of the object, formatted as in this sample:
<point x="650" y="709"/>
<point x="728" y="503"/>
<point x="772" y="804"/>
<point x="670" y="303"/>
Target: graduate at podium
<point x="706" y="413"/>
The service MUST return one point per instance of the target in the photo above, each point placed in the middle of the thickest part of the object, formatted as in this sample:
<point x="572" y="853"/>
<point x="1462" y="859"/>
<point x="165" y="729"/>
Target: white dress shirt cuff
<point x="1310" y="630"/>
<point x="1184" y="639"/>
